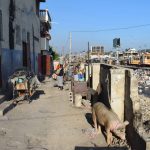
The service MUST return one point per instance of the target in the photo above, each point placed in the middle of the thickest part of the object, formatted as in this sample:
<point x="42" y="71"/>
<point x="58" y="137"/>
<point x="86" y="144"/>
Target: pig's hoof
<point x="97" y="131"/>
<point x="109" y="145"/>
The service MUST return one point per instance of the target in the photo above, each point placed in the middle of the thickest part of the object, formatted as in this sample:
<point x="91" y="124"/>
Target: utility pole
<point x="88" y="64"/>
<point x="70" y="48"/>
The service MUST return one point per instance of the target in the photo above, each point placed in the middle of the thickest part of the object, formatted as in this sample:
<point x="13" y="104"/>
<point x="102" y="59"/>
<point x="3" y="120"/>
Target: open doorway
<point x="25" y="54"/>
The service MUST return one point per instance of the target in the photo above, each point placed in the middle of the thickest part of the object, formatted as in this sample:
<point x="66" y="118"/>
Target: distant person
<point x="76" y="71"/>
<point x="60" y="74"/>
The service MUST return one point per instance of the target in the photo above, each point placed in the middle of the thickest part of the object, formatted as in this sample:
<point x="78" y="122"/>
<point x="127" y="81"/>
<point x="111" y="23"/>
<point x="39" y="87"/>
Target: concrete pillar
<point x="95" y="76"/>
<point x="117" y="92"/>
<point x="86" y="72"/>
<point x="134" y="92"/>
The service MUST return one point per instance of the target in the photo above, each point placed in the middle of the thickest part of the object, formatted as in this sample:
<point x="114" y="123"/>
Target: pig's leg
<point x="94" y="119"/>
<point x="109" y="136"/>
<point x="99" y="129"/>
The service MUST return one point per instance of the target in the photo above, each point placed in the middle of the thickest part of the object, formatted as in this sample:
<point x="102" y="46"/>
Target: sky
<point x="99" y="22"/>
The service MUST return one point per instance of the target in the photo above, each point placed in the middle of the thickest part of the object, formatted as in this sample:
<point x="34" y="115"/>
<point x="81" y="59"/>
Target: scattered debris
<point x="36" y="143"/>
<point x="2" y="132"/>
<point x="146" y="125"/>
<point x="90" y="132"/>
<point x="120" y="143"/>
<point x="86" y="103"/>
<point x="145" y="109"/>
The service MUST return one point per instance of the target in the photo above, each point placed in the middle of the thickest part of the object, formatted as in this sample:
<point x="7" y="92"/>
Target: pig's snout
<point x="121" y="135"/>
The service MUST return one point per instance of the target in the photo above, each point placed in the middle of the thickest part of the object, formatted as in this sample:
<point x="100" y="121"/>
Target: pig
<point x="106" y="117"/>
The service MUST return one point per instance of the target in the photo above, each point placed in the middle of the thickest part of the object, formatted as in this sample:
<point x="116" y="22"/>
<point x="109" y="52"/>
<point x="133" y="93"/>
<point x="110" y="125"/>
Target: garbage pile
<point x="143" y="77"/>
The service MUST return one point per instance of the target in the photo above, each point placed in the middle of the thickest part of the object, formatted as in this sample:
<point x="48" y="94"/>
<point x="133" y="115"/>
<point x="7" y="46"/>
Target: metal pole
<point x="117" y="53"/>
<point x="88" y="64"/>
<point x="70" y="48"/>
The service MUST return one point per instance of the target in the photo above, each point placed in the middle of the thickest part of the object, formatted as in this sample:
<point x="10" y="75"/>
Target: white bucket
<point x="77" y="100"/>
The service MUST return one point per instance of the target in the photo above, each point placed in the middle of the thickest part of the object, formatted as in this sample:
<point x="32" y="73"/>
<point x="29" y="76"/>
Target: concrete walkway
<point x="49" y="122"/>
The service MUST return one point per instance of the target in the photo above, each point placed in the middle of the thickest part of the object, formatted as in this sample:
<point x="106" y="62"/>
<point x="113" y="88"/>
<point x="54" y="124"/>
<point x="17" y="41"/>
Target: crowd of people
<point x="63" y="72"/>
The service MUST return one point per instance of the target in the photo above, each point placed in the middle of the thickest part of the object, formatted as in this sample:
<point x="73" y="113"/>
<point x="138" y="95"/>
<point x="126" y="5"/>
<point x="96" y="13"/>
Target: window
<point x="1" y="26"/>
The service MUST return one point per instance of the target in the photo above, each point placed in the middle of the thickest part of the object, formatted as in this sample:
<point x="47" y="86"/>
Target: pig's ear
<point x="126" y="123"/>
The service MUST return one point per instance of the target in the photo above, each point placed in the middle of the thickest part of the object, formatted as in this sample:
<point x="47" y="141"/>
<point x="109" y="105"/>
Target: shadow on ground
<point x="36" y="95"/>
<point x="88" y="117"/>
<point x="12" y="105"/>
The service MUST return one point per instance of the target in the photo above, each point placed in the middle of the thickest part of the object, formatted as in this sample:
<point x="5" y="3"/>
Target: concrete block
<point x="118" y="91"/>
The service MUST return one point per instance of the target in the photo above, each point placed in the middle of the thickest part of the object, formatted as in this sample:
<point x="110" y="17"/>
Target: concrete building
<point x="96" y="51"/>
<point x="19" y="36"/>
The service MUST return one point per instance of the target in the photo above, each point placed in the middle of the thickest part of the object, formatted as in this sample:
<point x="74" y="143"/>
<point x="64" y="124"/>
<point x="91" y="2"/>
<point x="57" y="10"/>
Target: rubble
<point x="142" y="121"/>
<point x="120" y="143"/>
<point x="145" y="109"/>
<point x="143" y="77"/>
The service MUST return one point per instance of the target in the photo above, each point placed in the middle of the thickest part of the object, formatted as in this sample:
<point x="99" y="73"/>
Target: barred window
<point x="1" y="26"/>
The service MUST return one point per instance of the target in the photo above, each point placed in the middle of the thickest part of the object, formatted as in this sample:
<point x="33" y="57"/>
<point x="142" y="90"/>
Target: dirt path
<point x="49" y="122"/>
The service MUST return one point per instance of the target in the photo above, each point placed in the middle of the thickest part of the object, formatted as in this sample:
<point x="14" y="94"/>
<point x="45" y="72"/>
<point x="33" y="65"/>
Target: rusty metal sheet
<point x="79" y="87"/>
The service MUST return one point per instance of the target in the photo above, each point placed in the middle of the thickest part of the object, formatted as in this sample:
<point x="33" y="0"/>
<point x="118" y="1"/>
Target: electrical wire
<point x="113" y="29"/>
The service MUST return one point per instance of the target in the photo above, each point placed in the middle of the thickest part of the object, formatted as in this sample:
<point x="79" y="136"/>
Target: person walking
<point x="60" y="75"/>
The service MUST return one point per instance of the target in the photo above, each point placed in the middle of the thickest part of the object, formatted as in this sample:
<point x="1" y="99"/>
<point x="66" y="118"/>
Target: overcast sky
<point x="99" y="22"/>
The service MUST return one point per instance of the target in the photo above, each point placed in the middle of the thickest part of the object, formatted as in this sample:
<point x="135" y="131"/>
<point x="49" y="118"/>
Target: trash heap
<point x="145" y="108"/>
<point x="143" y="77"/>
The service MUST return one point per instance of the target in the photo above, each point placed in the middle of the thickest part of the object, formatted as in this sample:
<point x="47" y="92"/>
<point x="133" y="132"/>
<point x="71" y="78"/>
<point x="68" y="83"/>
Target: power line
<point x="113" y="29"/>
